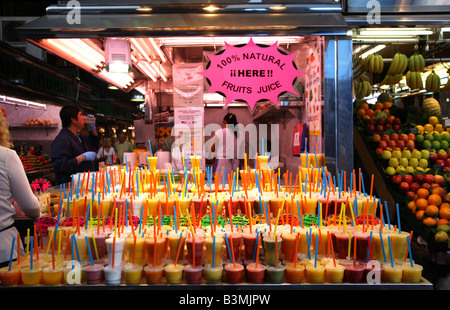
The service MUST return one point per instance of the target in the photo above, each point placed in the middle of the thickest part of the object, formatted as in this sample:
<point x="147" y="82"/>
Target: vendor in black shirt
<point x="71" y="151"/>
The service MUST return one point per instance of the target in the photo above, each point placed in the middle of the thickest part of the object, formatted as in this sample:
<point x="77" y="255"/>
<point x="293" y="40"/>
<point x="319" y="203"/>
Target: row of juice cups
<point x="304" y="271"/>
<point x="330" y="204"/>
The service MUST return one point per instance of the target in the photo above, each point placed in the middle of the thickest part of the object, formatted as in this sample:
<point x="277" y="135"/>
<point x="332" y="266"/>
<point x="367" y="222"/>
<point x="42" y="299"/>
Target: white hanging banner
<point x="187" y="85"/>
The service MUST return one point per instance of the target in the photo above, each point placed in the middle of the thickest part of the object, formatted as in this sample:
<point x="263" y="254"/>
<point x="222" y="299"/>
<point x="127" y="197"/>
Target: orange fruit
<point x="364" y="106"/>
<point x="370" y="112"/>
<point x="411" y="205"/>
<point x="434" y="199"/>
<point x="423" y="193"/>
<point x="431" y="210"/>
<point x="421" y="204"/>
<point x="387" y="105"/>
<point x="378" y="106"/>
<point x="361" y="112"/>
<point x="439" y="191"/>
<point x="445" y="205"/>
<point x="419" y="215"/>
<point x="444" y="213"/>
<point x="442" y="222"/>
<point x="430" y="221"/>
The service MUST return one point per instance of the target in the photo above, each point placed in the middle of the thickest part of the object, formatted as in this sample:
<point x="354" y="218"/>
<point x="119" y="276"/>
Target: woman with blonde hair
<point x="13" y="185"/>
<point x="106" y="152"/>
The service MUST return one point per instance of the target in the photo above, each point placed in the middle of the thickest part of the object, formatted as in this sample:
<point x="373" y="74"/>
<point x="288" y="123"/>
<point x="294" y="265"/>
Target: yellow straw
<point x="28" y="238"/>
<point x="115" y="222"/>
<point x="59" y="243"/>
<point x="189" y="221"/>
<point x="245" y="161"/>
<point x="344" y="220"/>
<point x="49" y="243"/>
<point x="340" y="215"/>
<point x="353" y="217"/>
<point x="95" y="245"/>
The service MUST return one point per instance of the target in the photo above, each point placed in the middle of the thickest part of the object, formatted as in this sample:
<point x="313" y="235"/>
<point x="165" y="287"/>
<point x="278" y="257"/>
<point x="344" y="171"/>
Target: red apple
<point x="394" y="136"/>
<point x="385" y="138"/>
<point x="428" y="178"/>
<point x="392" y="143"/>
<point x="380" y="121"/>
<point x="414" y="187"/>
<point x="401" y="144"/>
<point x="379" y="150"/>
<point x="433" y="156"/>
<point x="387" y="126"/>
<point x="407" y="178"/>
<point x="379" y="128"/>
<point x="410" y="144"/>
<point x="442" y="155"/>
<point x="397" y="179"/>
<point x="439" y="179"/>
<point x="404" y="186"/>
<point x="396" y="127"/>
<point x="435" y="185"/>
<point x="446" y="168"/>
<point x="447" y="162"/>
<point x="426" y="185"/>
<point x="410" y="194"/>
<point x="403" y="137"/>
<point x="397" y="121"/>
<point x="382" y="144"/>
<point x="418" y="178"/>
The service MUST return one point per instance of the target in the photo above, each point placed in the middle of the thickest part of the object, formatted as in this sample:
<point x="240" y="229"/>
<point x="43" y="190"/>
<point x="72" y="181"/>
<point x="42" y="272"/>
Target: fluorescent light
<point x="277" y="7"/>
<point x="211" y="8"/>
<point x="183" y="41"/>
<point x="157" y="49"/>
<point x="137" y="46"/>
<point x="145" y="68"/>
<point x="373" y="50"/>
<point x="20" y="102"/>
<point x="387" y="32"/>
<point x="159" y="71"/>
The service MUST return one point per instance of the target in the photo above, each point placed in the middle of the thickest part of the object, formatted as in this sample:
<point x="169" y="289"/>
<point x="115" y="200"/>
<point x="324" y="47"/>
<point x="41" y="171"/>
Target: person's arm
<point x="62" y="158"/>
<point x="20" y="188"/>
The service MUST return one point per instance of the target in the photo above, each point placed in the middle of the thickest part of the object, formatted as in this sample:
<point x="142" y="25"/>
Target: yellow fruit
<point x="439" y="128"/>
<point x="428" y="128"/>
<point x="420" y="129"/>
<point x="433" y="120"/>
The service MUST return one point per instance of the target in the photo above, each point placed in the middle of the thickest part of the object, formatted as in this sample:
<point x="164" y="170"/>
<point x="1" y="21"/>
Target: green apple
<point x="406" y="154"/>
<point x="414" y="162"/>
<point x="393" y="162"/>
<point x="403" y="162"/>
<point x="426" y="144"/>
<point x="444" y="144"/>
<point x="390" y="170"/>
<point x="436" y="145"/>
<point x="425" y="154"/>
<point x="386" y="154"/>
<point x="396" y="154"/>
<point x="416" y="154"/>
<point x="399" y="168"/>
<point x="410" y="169"/>
<point x="423" y="163"/>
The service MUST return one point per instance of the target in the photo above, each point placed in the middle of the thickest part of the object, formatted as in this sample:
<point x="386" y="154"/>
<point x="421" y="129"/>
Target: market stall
<point x="315" y="222"/>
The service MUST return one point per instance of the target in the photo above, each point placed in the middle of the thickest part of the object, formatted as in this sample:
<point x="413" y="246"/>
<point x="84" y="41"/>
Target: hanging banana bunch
<point x="416" y="63"/>
<point x="363" y="90"/>
<point x="433" y="82"/>
<point x="374" y="63"/>
<point x="447" y="86"/>
<point x="395" y="72"/>
<point x="414" y="80"/>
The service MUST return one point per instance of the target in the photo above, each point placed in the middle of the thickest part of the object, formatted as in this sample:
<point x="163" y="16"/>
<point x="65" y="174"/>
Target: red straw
<point x="370" y="247"/>
<point x="232" y="252"/>
<point x="257" y="254"/>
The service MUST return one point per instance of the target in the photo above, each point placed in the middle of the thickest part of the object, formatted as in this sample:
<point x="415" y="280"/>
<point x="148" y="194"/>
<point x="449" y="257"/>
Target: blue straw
<point x="362" y="183"/>
<point x="12" y="253"/>
<point x="398" y="219"/>
<point x="382" y="246"/>
<point x="175" y="219"/>
<point x="257" y="183"/>
<point x="308" y="240"/>
<point x="89" y="250"/>
<point x="57" y="222"/>
<point x="31" y="252"/>
<point x="299" y="214"/>
<point x="228" y="247"/>
<point x="410" y="253"/>
<point x="317" y="245"/>
<point x="390" y="251"/>
<point x="150" y="148"/>
<point x="267" y="213"/>
<point x="140" y="220"/>
<point x="214" y="252"/>
<point x="256" y="244"/>
<point x="387" y="214"/>
<point x="76" y="247"/>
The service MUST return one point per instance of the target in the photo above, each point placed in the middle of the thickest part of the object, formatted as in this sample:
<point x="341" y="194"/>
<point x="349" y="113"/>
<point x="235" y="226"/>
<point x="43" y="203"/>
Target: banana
<point x="400" y="63"/>
<point x="394" y="64"/>
<point x="413" y="81"/>
<point x="372" y="63"/>
<point x="433" y="82"/>
<point x="380" y="64"/>
<point x="408" y="79"/>
<point x="447" y="86"/>
<point x="368" y="88"/>
<point x="404" y="64"/>
<point x="411" y="64"/>
<point x="385" y="80"/>
<point x="359" y="94"/>
<point x="417" y="62"/>
<point x="421" y="62"/>
<point x="428" y="82"/>
<point x="366" y="62"/>
<point x="419" y="82"/>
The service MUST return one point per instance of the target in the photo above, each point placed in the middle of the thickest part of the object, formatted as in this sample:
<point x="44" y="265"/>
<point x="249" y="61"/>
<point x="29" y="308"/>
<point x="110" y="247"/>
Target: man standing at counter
<point x="72" y="152"/>
<point x="122" y="146"/>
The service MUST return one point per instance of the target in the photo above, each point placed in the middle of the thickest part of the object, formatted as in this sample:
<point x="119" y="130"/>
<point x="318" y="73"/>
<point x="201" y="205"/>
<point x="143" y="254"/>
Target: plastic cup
<point x="174" y="273"/>
<point x="140" y="242"/>
<point x="94" y="274"/>
<point x="155" y="257"/>
<point x="193" y="274"/>
<point x="152" y="161"/>
<point x="249" y="240"/>
<point x="234" y="206"/>
<point x="354" y="273"/>
<point x="269" y="249"/>
<point x="133" y="273"/>
<point x="373" y="271"/>
<point x="342" y="241"/>
<point x="275" y="274"/>
<point x="392" y="274"/>
<point x="52" y="276"/>
<point x="113" y="276"/>
<point x="31" y="276"/>
<point x="295" y="274"/>
<point x="118" y="251"/>
<point x="275" y="205"/>
<point x="362" y="246"/>
<point x="195" y="246"/>
<point x="174" y="240"/>
<point x="255" y="274"/>
<point x="100" y="242"/>
<point x="213" y="274"/>
<point x="153" y="274"/>
<point x="233" y="273"/>
<point x="399" y="243"/>
<point x="82" y="246"/>
<point x="288" y="246"/>
<point x="10" y="277"/>
<point x="263" y="162"/>
<point x="217" y="250"/>
<point x="412" y="274"/>
<point x="315" y="274"/>
<point x="334" y="274"/>
<point x="377" y="248"/>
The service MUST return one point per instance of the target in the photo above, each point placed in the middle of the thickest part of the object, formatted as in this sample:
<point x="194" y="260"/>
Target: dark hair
<point x="67" y="113"/>
<point x="231" y="119"/>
